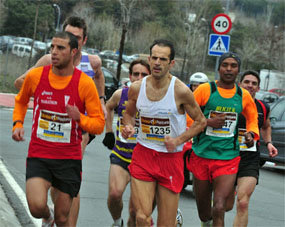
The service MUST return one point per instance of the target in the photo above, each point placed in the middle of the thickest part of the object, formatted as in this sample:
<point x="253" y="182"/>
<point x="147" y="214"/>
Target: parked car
<point x="6" y="42"/>
<point x="111" y="82"/>
<point x="40" y="45"/>
<point x="92" y="51"/>
<point x="23" y="50"/>
<point x="23" y="40"/>
<point x="278" y="91"/>
<point x="267" y="97"/>
<point x="109" y="54"/>
<point x="277" y="119"/>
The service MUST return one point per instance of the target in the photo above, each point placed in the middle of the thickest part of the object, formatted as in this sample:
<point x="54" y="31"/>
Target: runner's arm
<point x="129" y="115"/>
<point x="194" y="111"/>
<point x="22" y="99"/>
<point x="99" y="79"/>
<point x="112" y="103"/>
<point x="250" y="113"/>
<point x="94" y="121"/>
<point x="265" y="132"/>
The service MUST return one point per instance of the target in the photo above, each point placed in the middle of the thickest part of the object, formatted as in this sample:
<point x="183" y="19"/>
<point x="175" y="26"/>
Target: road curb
<point x="14" y="201"/>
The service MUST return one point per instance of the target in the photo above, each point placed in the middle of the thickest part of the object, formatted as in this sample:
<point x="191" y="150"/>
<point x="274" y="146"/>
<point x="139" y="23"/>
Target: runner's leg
<point x="222" y="186"/>
<point x="167" y="205"/>
<point x="246" y="186"/>
<point x="143" y="194"/>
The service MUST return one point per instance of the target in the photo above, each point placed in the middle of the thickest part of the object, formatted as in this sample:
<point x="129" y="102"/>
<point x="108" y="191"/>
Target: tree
<point x="126" y="8"/>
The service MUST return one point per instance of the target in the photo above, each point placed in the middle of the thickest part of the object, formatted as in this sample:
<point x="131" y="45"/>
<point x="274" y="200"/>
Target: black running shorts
<point x="114" y="159"/>
<point x="64" y="174"/>
<point x="249" y="164"/>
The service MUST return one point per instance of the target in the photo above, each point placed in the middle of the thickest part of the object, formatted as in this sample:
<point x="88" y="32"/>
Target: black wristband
<point x="103" y="97"/>
<point x="15" y="122"/>
<point x="268" y="143"/>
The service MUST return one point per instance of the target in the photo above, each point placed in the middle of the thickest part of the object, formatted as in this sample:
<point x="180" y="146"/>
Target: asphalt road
<point x="266" y="208"/>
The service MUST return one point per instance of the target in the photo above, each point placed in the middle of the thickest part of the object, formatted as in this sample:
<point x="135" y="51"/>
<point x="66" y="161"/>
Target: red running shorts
<point x="165" y="168"/>
<point x="208" y="169"/>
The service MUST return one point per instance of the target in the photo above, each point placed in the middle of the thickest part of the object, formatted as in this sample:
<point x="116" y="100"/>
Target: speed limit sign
<point x="221" y="23"/>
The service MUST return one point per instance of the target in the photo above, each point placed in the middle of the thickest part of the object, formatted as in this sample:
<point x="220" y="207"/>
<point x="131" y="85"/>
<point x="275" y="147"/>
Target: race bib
<point x="227" y="130"/>
<point x="132" y="139"/>
<point x="54" y="127"/>
<point x="241" y="140"/>
<point x="155" y="129"/>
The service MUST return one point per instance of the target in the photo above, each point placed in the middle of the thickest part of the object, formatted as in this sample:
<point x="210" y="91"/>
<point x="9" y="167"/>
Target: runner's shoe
<point x="179" y="218"/>
<point x="50" y="221"/>
<point x="121" y="225"/>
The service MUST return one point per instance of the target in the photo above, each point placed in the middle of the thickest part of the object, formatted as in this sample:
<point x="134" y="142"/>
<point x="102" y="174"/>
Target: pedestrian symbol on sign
<point x="218" y="44"/>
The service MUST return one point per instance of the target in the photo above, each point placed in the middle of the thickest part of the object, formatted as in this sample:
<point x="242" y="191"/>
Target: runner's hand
<point x="109" y="140"/>
<point x="170" y="143"/>
<point x="248" y="139"/>
<point x="272" y="150"/>
<point x="128" y="131"/>
<point x="18" y="134"/>
<point x="218" y="121"/>
<point x="73" y="112"/>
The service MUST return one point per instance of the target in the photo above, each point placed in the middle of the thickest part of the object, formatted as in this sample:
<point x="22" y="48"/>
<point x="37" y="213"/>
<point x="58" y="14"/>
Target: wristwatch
<point x="268" y="143"/>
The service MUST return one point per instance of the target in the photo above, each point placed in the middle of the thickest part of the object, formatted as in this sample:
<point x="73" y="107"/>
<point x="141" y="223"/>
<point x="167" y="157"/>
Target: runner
<point x="215" y="157"/>
<point x="121" y="155"/>
<point x="91" y="65"/>
<point x="157" y="165"/>
<point x="248" y="172"/>
<point x="61" y="95"/>
<point x="196" y="79"/>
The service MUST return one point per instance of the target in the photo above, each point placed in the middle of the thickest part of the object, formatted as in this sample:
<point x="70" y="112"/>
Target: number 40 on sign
<point x="221" y="24"/>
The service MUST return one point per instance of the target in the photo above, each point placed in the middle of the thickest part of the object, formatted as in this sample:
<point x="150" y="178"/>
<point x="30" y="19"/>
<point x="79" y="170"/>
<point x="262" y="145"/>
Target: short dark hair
<point x="73" y="43"/>
<point x="77" y="22"/>
<point x="138" y="61"/>
<point x="164" y="43"/>
<point x="250" y="72"/>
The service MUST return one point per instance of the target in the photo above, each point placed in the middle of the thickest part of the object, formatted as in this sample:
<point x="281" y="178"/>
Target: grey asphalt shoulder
<point x="7" y="214"/>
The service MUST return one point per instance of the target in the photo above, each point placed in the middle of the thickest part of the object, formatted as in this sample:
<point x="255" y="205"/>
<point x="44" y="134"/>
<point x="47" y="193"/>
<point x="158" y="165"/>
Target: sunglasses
<point x="137" y="74"/>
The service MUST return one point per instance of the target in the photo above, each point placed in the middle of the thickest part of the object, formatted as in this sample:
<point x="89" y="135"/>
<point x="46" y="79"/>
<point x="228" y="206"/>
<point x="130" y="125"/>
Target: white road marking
<point x="19" y="192"/>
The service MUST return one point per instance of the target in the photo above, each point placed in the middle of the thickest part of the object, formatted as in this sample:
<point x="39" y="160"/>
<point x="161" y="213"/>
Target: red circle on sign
<point x="221" y="23"/>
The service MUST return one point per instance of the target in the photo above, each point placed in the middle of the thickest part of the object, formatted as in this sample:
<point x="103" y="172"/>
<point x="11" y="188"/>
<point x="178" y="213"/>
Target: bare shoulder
<point x="95" y="61"/>
<point x="135" y="86"/>
<point x="117" y="94"/>
<point x="181" y="89"/>
<point x="44" y="60"/>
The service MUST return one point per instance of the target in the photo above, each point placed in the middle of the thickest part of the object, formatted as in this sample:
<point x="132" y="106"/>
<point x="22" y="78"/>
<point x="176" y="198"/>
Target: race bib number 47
<point x="227" y="130"/>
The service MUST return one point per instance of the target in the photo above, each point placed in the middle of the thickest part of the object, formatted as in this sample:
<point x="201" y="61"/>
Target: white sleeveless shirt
<point x="159" y="118"/>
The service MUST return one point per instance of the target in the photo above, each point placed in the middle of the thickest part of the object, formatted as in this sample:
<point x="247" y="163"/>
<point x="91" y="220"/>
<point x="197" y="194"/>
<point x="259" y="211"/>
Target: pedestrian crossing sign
<point x="218" y="44"/>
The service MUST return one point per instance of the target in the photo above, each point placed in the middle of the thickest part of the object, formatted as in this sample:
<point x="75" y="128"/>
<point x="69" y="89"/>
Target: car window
<point x="270" y="98"/>
<point x="108" y="77"/>
<point x="278" y="110"/>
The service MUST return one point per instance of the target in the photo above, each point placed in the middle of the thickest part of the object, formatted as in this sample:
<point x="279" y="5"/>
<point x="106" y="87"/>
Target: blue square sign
<point x="218" y="44"/>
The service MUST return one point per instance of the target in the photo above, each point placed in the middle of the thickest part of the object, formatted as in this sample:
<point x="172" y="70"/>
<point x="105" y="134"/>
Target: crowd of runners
<point x="157" y="115"/>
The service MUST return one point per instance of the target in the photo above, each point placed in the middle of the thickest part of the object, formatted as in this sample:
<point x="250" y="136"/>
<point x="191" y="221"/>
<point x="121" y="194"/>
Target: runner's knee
<point x="142" y="219"/>
<point x="115" y="195"/>
<point x="37" y="210"/>
<point x="60" y="220"/>
<point x="242" y="205"/>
